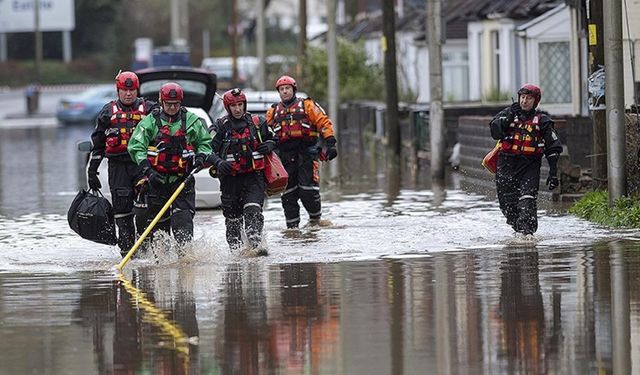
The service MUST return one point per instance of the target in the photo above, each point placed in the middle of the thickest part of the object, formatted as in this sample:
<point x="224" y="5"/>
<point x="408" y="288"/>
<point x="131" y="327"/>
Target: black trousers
<point x="123" y="174"/>
<point x="178" y="219"/>
<point x="517" y="181"/>
<point x="242" y="201"/>
<point x="303" y="168"/>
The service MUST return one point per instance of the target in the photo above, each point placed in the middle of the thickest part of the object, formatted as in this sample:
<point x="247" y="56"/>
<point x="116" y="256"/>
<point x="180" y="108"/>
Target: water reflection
<point x="38" y="165"/>
<point x="520" y="317"/>
<point x="412" y="278"/>
<point x="143" y="335"/>
<point x="512" y="310"/>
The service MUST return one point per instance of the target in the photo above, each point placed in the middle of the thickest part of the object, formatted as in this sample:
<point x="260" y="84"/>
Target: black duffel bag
<point x="91" y="216"/>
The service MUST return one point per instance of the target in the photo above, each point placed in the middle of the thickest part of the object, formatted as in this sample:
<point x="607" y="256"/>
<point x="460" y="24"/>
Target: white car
<point x="199" y="88"/>
<point x="258" y="102"/>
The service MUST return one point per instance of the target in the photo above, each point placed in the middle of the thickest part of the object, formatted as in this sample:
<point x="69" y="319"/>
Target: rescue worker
<point x="526" y="134"/>
<point x="114" y="125"/>
<point x="168" y="144"/>
<point x="239" y="144"/>
<point x="299" y="125"/>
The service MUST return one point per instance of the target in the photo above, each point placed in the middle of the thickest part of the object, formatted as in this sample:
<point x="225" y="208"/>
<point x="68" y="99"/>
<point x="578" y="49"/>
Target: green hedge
<point x="15" y="73"/>
<point x="594" y="206"/>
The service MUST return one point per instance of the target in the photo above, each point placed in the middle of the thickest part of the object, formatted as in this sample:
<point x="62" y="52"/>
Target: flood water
<point x="410" y="279"/>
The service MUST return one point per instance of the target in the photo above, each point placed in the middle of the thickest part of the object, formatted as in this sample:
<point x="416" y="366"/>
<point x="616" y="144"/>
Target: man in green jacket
<point x="167" y="145"/>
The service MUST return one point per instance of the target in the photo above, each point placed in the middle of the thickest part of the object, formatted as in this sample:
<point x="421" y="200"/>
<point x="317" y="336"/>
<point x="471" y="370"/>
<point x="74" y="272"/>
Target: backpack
<point x="91" y="216"/>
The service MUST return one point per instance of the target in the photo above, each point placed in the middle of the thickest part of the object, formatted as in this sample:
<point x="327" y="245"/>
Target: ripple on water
<point x="364" y="226"/>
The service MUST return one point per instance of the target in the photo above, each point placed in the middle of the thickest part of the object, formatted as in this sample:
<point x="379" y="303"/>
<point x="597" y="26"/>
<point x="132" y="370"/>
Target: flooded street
<point x="409" y="278"/>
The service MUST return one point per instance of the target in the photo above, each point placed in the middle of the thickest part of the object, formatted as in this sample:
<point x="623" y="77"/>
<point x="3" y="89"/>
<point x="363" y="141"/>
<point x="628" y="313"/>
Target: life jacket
<point x="239" y="147"/>
<point x="524" y="137"/>
<point x="122" y="124"/>
<point x="170" y="154"/>
<point x="292" y="122"/>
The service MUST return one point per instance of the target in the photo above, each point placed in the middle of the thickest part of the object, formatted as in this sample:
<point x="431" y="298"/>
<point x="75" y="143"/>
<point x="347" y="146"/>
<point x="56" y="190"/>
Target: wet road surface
<point x="409" y="278"/>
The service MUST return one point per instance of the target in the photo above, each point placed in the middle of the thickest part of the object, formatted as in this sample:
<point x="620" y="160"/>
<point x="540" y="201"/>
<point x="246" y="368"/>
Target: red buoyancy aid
<point x="239" y="148"/>
<point x="292" y="122"/>
<point x="122" y="124"/>
<point x="524" y="137"/>
<point x="168" y="153"/>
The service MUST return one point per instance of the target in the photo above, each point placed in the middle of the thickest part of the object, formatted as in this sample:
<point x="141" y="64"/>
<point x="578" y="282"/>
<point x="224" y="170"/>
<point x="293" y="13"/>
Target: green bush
<point x="594" y="206"/>
<point x="357" y="79"/>
<point x="88" y="70"/>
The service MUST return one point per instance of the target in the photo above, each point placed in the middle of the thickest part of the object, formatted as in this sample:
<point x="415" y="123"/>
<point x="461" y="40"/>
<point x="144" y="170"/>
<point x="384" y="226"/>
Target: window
<point x="495" y="59"/>
<point x="455" y="75"/>
<point x="555" y="72"/>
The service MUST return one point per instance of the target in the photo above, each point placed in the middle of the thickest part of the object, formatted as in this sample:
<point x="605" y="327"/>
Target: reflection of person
<point x="244" y="346"/>
<point x="240" y="142"/>
<point x="298" y="124"/>
<point x="169" y="144"/>
<point x="522" y="313"/>
<point x="310" y="320"/>
<point x="134" y="346"/>
<point x="114" y="125"/>
<point x="525" y="135"/>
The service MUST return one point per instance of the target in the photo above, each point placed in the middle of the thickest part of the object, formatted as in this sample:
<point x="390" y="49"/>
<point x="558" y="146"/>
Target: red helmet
<point x="127" y="81"/>
<point x="532" y="90"/>
<point x="234" y="96"/>
<point x="286" y="80"/>
<point x="171" y="91"/>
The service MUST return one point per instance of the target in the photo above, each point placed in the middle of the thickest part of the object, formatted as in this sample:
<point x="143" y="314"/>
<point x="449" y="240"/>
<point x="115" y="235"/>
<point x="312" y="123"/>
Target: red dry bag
<point x="490" y="161"/>
<point x="275" y="175"/>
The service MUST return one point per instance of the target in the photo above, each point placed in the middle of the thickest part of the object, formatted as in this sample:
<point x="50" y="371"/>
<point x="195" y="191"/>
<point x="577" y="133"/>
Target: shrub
<point x="594" y="206"/>
<point x="358" y="79"/>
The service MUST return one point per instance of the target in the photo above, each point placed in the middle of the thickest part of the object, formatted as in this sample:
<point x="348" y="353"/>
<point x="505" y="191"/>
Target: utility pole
<point x="390" y="77"/>
<point x="38" y="37"/>
<point x="612" y="11"/>
<point x="597" y="100"/>
<point x="332" y="57"/>
<point x="260" y="46"/>
<point x="175" y="21"/>
<point x="179" y="23"/>
<point x="302" y="41"/>
<point x="233" y="32"/>
<point x="183" y="19"/>
<point x="436" y="118"/>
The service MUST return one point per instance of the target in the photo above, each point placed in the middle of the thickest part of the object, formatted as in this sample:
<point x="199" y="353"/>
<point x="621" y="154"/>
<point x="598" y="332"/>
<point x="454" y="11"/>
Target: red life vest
<point x="292" y="122"/>
<point x="122" y="124"/>
<point x="239" y="147"/>
<point x="170" y="154"/>
<point x="524" y="137"/>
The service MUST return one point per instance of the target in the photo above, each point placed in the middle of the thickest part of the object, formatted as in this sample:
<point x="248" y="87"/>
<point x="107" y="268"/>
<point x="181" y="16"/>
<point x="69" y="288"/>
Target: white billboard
<point x="19" y="15"/>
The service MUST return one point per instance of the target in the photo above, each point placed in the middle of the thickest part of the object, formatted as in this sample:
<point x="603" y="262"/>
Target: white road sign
<point x="19" y="15"/>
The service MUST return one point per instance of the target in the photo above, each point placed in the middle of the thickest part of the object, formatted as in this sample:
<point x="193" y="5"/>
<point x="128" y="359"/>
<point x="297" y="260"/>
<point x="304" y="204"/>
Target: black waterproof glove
<point x="93" y="180"/>
<point x="155" y="178"/>
<point x="199" y="160"/>
<point x="266" y="147"/>
<point x="92" y="173"/>
<point x="515" y="109"/>
<point x="552" y="182"/>
<point x="224" y="167"/>
<point x="332" y="151"/>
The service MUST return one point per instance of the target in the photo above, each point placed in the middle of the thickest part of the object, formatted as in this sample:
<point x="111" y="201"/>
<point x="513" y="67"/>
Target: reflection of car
<point x="258" y="102"/>
<point x="199" y="88"/>
<point x="84" y="107"/>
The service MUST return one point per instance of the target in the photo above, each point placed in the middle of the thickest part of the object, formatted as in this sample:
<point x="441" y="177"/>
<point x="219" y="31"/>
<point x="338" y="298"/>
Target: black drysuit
<point x="242" y="191"/>
<point x="123" y="172"/>
<point x="518" y="174"/>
